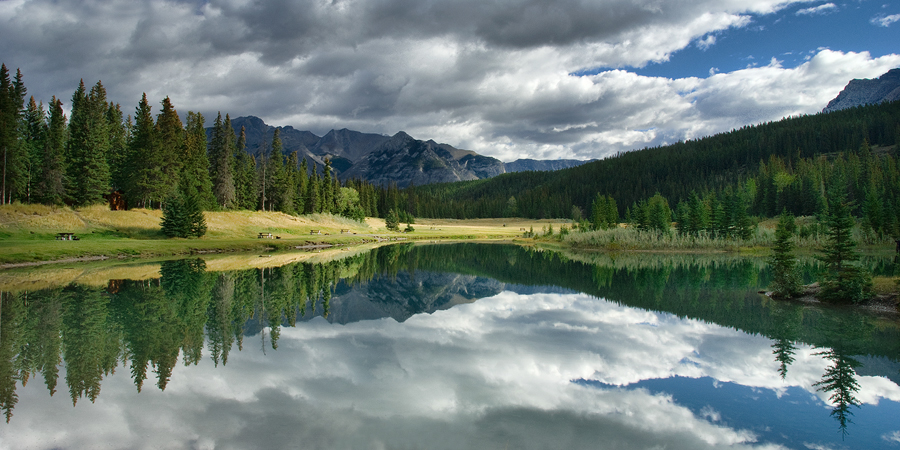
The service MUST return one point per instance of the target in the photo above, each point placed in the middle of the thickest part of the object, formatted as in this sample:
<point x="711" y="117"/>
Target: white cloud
<point x="706" y="42"/>
<point x="885" y="21"/>
<point x="821" y="9"/>
<point x="473" y="376"/>
<point x="492" y="77"/>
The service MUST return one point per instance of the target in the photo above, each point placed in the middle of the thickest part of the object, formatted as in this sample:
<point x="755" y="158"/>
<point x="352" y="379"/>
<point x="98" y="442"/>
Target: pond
<point x="445" y="346"/>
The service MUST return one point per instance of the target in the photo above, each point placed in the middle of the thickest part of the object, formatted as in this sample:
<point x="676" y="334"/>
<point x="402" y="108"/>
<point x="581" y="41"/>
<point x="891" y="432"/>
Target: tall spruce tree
<point x="53" y="183"/>
<point x="843" y="280"/>
<point x="276" y="189"/>
<point x="327" y="188"/>
<point x="220" y="158"/>
<point x="143" y="159"/>
<point x="35" y="134"/>
<point x="116" y="158"/>
<point x="785" y="280"/>
<point x="14" y="155"/>
<point x="170" y="140"/>
<point x="88" y="145"/>
<point x="302" y="182"/>
<point x="194" y="178"/>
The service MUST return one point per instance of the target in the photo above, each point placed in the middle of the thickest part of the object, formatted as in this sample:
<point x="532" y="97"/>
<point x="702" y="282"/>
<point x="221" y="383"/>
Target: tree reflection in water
<point x="146" y="324"/>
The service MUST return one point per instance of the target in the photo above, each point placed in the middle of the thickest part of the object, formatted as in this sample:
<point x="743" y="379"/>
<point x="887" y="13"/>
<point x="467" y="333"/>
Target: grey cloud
<point x="490" y="76"/>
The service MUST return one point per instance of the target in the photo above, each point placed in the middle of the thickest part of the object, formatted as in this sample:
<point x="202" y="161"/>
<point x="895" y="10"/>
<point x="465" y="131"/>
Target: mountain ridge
<point x="858" y="92"/>
<point x="399" y="159"/>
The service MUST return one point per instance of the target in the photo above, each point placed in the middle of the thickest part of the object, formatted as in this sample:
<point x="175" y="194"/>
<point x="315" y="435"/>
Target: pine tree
<point x="244" y="170"/>
<point x="195" y="172"/>
<point x="182" y="216"/>
<point x="35" y="135"/>
<point x="52" y="183"/>
<point x="142" y="162"/>
<point x="392" y="220"/>
<point x="88" y="146"/>
<point x="659" y="216"/>
<point x="276" y="190"/>
<point x="116" y="159"/>
<point x="14" y="155"/>
<point x="170" y="140"/>
<point x="313" y="202"/>
<point x="220" y="159"/>
<point x="302" y="182"/>
<point x="786" y="281"/>
<point x="843" y="280"/>
<point x="327" y="189"/>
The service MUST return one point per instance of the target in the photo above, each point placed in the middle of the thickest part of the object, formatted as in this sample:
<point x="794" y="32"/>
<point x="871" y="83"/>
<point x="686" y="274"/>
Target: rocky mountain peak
<point x="858" y="92"/>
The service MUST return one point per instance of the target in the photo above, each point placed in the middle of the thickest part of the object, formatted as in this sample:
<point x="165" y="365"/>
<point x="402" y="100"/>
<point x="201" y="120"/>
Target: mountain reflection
<point x="147" y="325"/>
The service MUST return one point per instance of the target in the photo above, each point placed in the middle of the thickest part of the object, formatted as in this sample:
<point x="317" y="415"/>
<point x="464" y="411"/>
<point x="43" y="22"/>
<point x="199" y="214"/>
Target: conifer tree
<point x="302" y="181"/>
<point x="843" y="280"/>
<point x="244" y="170"/>
<point x="194" y="178"/>
<point x="220" y="159"/>
<point x="88" y="145"/>
<point x="289" y="183"/>
<point x="276" y="189"/>
<point x="392" y="220"/>
<point x="170" y="140"/>
<point x="659" y="215"/>
<point x="53" y="166"/>
<point x="313" y="202"/>
<point x="118" y="146"/>
<point x="142" y="162"/>
<point x="183" y="216"/>
<point x="35" y="135"/>
<point x="786" y="281"/>
<point x="14" y="155"/>
<point x="327" y="188"/>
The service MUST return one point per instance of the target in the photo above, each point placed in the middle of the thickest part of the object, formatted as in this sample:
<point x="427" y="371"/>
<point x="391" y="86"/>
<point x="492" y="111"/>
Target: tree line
<point x="771" y="166"/>
<point x="81" y="160"/>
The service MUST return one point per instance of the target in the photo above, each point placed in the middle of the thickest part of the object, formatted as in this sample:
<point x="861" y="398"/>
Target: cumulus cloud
<point x="499" y="78"/>
<point x="821" y="9"/>
<point x="479" y="375"/>
<point x="885" y="21"/>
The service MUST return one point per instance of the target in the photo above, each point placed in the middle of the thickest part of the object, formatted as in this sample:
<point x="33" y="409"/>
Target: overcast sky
<point x="510" y="79"/>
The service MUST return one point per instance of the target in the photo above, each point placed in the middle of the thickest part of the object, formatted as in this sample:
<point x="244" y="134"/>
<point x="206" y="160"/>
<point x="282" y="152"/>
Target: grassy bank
<point x="28" y="232"/>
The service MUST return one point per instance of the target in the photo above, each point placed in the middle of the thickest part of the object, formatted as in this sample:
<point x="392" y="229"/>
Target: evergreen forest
<point x="720" y="184"/>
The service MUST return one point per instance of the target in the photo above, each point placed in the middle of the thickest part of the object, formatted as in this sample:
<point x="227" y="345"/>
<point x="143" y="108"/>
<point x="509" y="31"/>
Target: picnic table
<point x="264" y="235"/>
<point x="66" y="237"/>
<point x="315" y="232"/>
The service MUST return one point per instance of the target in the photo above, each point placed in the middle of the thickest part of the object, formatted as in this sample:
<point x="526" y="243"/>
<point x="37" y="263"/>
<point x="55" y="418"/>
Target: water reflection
<point x="394" y="340"/>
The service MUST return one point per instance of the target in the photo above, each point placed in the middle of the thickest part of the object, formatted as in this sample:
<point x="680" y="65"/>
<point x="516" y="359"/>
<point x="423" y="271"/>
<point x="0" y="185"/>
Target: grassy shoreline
<point x="28" y="233"/>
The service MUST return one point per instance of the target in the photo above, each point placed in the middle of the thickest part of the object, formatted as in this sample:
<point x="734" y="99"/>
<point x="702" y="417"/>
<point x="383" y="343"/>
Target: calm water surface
<point x="446" y="347"/>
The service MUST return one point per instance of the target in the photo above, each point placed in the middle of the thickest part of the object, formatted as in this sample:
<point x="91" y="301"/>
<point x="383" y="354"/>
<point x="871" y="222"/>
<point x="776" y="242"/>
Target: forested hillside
<point x="757" y="155"/>
<point x="714" y="183"/>
<point x="137" y="160"/>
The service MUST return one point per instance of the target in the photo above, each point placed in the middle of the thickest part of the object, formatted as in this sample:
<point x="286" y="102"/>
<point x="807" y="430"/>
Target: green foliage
<point x="771" y="166"/>
<point x="183" y="217"/>
<point x="53" y="181"/>
<point x="392" y="221"/>
<point x="87" y="147"/>
<point x="658" y="214"/>
<point x="785" y="279"/>
<point x="221" y="169"/>
<point x="144" y="160"/>
<point x="843" y="280"/>
<point x="604" y="212"/>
